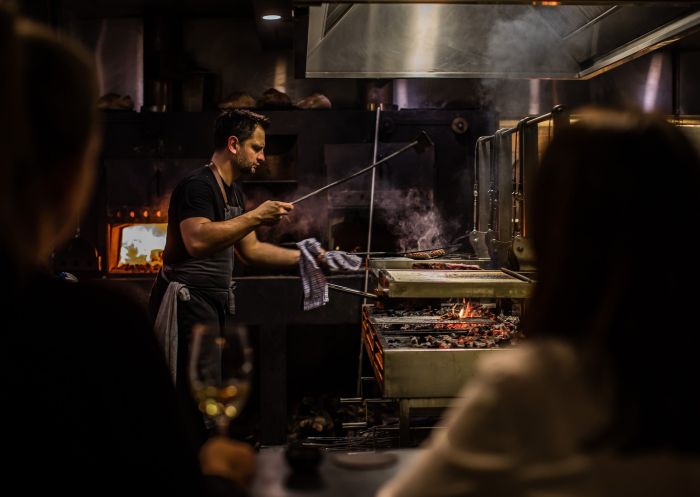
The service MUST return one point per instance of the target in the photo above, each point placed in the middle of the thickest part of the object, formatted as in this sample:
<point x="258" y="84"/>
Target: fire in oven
<point x="135" y="241"/>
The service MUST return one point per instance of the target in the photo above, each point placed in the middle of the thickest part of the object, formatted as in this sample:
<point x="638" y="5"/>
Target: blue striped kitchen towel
<point x="312" y="279"/>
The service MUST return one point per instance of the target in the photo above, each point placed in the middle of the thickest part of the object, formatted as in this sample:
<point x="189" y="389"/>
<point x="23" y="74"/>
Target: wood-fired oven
<point x="135" y="240"/>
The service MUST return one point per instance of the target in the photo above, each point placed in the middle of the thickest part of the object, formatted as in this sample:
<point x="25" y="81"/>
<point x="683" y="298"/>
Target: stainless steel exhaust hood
<point x="451" y="40"/>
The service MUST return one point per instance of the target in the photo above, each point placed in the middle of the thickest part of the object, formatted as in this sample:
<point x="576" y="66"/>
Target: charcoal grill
<point x="401" y="348"/>
<point x="420" y="348"/>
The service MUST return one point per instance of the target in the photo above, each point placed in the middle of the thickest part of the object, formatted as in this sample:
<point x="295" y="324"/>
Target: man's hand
<point x="337" y="261"/>
<point x="271" y="211"/>
<point x="221" y="456"/>
<point x="321" y="258"/>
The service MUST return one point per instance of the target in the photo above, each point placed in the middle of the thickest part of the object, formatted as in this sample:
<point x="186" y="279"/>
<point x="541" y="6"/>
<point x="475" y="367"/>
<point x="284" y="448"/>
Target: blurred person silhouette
<point x="92" y="408"/>
<point x="602" y="401"/>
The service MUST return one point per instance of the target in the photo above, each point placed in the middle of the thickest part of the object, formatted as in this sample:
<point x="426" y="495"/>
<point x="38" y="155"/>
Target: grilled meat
<point x="427" y="254"/>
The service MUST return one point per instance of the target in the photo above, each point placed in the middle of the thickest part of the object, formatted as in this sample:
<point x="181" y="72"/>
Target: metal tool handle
<point x="352" y="291"/>
<point x="422" y="141"/>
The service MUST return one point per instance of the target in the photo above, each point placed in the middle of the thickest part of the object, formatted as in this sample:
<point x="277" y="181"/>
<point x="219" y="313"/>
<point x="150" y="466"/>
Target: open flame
<point x="143" y="244"/>
<point x="464" y="309"/>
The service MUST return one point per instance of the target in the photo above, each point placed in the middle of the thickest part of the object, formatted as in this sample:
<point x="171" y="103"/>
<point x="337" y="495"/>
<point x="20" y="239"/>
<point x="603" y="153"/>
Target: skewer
<point x="421" y="142"/>
<point x="372" y="253"/>
<point x="448" y="249"/>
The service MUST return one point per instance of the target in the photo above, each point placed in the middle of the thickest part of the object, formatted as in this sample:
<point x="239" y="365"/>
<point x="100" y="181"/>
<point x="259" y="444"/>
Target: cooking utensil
<point x="352" y="291"/>
<point x="448" y="250"/>
<point x="421" y="142"/>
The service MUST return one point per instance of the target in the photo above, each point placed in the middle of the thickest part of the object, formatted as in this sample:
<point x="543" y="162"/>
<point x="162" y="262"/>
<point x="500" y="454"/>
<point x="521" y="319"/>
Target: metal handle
<point x="420" y="143"/>
<point x="352" y="291"/>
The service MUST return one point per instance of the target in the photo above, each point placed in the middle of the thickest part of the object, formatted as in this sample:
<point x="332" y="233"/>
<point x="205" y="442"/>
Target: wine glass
<point x="220" y="367"/>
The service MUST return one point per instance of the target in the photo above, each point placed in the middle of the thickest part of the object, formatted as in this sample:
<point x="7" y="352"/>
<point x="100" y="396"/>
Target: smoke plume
<point x="413" y="218"/>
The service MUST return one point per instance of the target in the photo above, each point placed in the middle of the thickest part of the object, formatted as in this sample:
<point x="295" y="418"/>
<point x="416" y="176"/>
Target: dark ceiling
<point x="130" y="8"/>
<point x="47" y="10"/>
<point x="272" y="35"/>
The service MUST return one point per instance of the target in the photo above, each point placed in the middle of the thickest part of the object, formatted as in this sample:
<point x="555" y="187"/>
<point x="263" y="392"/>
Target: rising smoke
<point x="413" y="218"/>
<point x="522" y="41"/>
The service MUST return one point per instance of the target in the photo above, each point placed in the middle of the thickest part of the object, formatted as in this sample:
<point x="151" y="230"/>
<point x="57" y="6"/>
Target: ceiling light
<point x="272" y="17"/>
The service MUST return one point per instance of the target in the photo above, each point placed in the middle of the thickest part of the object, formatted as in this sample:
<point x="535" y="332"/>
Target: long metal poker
<point x="375" y="151"/>
<point x="421" y="142"/>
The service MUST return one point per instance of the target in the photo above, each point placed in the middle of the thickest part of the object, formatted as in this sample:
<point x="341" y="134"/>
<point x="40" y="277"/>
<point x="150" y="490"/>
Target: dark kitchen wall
<point x="224" y="38"/>
<point x="231" y="48"/>
<point x="221" y="38"/>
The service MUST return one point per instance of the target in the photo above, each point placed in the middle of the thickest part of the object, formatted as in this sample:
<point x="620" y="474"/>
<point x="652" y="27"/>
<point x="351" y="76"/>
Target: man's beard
<point x="247" y="168"/>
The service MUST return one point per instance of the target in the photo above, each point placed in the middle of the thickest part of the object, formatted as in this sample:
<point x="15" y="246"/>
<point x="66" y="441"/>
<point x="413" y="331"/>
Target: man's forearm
<point x="272" y="255"/>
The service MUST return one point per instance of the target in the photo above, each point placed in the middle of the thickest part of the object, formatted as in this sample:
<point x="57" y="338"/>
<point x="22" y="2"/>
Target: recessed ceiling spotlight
<point x="272" y="17"/>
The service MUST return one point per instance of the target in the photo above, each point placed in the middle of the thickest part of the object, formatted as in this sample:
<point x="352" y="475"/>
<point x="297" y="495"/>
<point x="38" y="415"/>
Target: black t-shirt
<point x="198" y="195"/>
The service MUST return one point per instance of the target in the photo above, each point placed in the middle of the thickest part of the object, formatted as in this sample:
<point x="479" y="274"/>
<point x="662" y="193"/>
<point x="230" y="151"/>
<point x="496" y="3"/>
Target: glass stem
<point x="222" y="423"/>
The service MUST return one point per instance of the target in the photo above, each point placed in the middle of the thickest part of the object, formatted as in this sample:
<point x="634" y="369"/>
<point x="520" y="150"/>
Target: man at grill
<point x="207" y="219"/>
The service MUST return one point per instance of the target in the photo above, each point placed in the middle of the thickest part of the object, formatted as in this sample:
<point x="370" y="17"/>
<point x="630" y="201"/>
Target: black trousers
<point x="203" y="307"/>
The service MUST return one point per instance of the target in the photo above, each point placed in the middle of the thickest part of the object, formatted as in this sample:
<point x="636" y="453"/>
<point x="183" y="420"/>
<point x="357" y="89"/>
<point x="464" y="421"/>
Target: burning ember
<point x="453" y="326"/>
<point x="478" y="337"/>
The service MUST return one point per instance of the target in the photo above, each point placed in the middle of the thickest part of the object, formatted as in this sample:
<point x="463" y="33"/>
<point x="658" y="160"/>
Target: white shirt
<point x="516" y="431"/>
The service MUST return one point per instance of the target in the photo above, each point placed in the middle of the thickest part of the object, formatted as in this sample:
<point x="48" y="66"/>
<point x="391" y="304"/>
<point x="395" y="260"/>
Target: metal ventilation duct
<point x="388" y="40"/>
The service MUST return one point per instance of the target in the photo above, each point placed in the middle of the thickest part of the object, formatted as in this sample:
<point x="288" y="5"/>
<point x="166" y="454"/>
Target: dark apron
<point x="209" y="281"/>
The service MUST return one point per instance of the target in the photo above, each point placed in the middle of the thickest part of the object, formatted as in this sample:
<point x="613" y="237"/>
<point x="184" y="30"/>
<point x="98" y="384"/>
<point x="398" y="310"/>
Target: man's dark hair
<point x="239" y="123"/>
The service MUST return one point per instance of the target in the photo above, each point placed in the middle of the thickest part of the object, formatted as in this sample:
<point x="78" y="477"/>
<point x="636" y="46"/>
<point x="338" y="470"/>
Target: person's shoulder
<point x="86" y="312"/>
<point x="201" y="173"/>
<point x="529" y="361"/>
<point x="98" y="297"/>
<point x="196" y="179"/>
<point x="199" y="184"/>
<point x="203" y="178"/>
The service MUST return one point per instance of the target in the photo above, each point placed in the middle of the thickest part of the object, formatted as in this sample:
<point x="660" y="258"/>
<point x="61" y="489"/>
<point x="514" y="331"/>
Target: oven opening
<point x="136" y="248"/>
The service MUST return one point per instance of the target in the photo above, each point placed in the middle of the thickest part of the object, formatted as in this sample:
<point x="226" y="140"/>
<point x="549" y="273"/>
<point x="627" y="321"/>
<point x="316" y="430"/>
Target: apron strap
<point x="231" y="299"/>
<point x="220" y="181"/>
